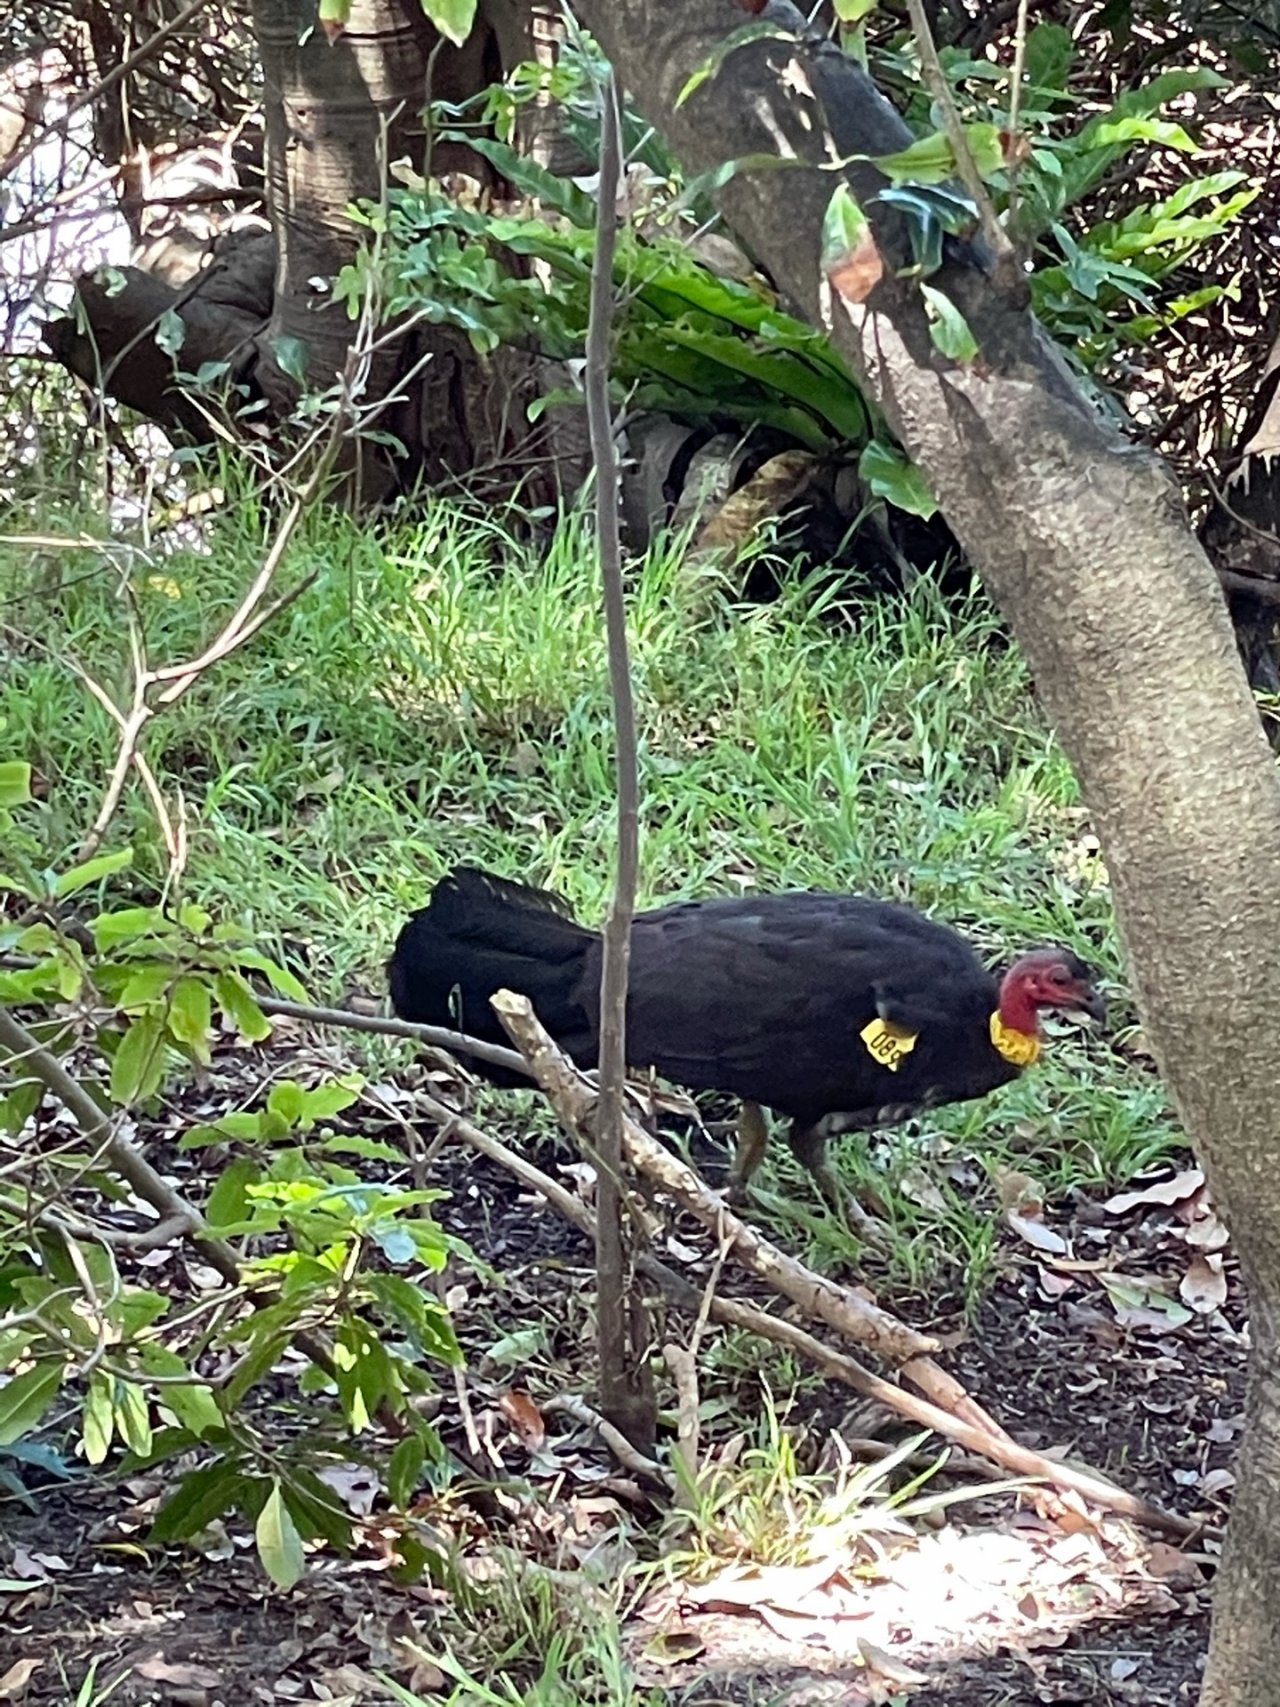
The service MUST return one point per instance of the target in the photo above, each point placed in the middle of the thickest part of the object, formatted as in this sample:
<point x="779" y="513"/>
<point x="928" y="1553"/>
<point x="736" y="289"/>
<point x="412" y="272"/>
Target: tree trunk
<point x="1081" y="539"/>
<point x="337" y="116"/>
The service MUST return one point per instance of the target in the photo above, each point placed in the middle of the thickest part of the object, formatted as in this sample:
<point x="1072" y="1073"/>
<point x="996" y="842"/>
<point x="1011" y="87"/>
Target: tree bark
<point x="1081" y="539"/>
<point x="337" y="115"/>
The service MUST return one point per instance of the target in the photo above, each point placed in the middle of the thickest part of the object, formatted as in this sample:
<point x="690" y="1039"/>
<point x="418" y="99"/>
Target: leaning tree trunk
<point x="336" y="116"/>
<point x="1081" y="539"/>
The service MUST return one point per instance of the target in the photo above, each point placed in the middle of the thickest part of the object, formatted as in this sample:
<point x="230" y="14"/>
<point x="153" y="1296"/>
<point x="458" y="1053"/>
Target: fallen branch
<point x="569" y="1405"/>
<point x="995" y="1448"/>
<point x="574" y="1102"/>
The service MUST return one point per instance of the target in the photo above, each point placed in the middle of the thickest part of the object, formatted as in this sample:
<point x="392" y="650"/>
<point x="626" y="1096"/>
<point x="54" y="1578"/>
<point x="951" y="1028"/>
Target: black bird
<point x="840" y="1011"/>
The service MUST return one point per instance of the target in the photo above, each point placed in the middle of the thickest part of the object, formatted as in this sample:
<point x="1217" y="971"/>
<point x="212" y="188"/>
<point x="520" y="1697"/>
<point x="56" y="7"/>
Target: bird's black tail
<point x="479" y="934"/>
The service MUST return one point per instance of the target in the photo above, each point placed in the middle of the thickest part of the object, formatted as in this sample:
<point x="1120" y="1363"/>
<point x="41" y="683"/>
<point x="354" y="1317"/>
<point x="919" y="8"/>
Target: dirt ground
<point x="996" y="1604"/>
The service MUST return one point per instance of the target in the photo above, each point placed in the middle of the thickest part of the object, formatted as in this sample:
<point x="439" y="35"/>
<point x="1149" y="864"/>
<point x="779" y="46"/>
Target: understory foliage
<point x="701" y="346"/>
<point x="439" y="696"/>
<point x="437" y="693"/>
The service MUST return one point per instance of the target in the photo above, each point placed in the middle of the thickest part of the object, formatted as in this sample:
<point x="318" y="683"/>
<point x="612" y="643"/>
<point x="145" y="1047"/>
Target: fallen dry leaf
<point x="156" y="1669"/>
<point x="896" y="1670"/>
<point x="1170" y="1565"/>
<point x="1204" y="1285"/>
<point x="525" y="1417"/>
<point x="16" y="1679"/>
<point x="1163" y="1192"/>
<point x="1033" y="1231"/>
<point x="1143" y="1304"/>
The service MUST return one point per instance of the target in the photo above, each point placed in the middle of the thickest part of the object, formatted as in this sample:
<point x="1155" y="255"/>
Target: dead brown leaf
<point x="156" y="1669"/>
<point x="857" y="272"/>
<point x="1204" y="1285"/>
<point x="525" y="1417"/>
<point x="16" y="1679"/>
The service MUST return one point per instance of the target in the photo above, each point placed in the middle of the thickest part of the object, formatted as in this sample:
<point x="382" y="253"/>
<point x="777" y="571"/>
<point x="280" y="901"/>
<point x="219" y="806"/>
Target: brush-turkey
<point x="843" y="1012"/>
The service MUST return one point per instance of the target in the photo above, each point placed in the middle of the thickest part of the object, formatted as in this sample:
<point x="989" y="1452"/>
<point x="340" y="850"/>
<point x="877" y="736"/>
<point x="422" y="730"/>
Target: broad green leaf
<point x="228" y="1201"/>
<point x="290" y="352"/>
<point x="288" y="1102"/>
<point x="98" y="1428"/>
<point x="19" y="1104"/>
<point x="1124" y="130"/>
<point x="844" y="225"/>
<point x="146" y="985"/>
<point x="366" y="1149"/>
<point x="948" y="328"/>
<point x="405" y="1470"/>
<point x="199" y="1498"/>
<point x="236" y="1000"/>
<point x="279" y="1544"/>
<point x="283" y="982"/>
<point x="170" y="332"/>
<point x="453" y="18"/>
<point x="535" y="180"/>
<point x="931" y="159"/>
<point x="15" y="783"/>
<point x="195" y="1408"/>
<point x="126" y="924"/>
<point x="139" y="1062"/>
<point x="889" y="475"/>
<point x="137" y="1307"/>
<point x="230" y="1127"/>
<point x="133" y="1417"/>
<point x="25" y="1399"/>
<point x="191" y="1015"/>
<point x="314" y="1509"/>
<point x="81" y="876"/>
<point x="854" y="11"/>
<point x="1050" y="51"/>
<point x="325" y="1101"/>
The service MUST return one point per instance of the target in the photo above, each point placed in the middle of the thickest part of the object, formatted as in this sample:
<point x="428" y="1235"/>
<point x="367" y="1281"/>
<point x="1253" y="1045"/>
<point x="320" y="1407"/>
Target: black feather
<point x="764" y="997"/>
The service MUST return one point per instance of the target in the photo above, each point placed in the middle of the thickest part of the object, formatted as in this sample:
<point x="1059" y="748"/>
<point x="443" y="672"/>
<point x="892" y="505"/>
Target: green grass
<point x="440" y="695"/>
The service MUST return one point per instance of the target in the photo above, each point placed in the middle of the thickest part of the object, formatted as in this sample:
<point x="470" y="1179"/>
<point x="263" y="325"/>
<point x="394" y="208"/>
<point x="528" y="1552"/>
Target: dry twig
<point x="995" y="1447"/>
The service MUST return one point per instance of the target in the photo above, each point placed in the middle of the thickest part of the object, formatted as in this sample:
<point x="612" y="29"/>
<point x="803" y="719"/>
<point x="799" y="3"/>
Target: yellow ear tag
<point x="888" y="1044"/>
<point x="1021" y="1048"/>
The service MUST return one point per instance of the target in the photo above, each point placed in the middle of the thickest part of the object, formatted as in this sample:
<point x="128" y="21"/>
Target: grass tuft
<point x="440" y="694"/>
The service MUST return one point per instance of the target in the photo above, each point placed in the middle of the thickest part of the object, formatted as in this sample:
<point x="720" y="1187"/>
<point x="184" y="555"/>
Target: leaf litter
<point x="1118" y="1339"/>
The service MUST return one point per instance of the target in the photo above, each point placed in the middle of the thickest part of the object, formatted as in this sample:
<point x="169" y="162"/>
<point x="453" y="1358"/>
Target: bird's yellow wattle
<point x="1021" y="1048"/>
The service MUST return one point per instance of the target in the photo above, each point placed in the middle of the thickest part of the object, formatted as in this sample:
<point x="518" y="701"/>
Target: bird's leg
<point x="809" y="1147"/>
<point x="753" y="1136"/>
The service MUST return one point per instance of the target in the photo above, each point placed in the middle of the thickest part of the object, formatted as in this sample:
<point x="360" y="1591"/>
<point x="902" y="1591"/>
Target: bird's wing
<point x="768" y="997"/>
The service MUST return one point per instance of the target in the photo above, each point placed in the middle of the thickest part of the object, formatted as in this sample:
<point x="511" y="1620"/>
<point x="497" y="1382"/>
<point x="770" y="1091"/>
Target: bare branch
<point x="940" y="89"/>
<point x="626" y="1396"/>
<point x="118" y="72"/>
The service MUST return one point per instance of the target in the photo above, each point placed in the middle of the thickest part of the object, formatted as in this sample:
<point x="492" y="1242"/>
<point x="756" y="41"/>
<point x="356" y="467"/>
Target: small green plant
<point x="108" y="1014"/>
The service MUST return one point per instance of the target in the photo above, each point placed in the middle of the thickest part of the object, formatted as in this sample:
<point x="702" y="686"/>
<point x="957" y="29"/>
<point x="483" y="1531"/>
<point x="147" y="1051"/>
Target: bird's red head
<point x="1047" y="978"/>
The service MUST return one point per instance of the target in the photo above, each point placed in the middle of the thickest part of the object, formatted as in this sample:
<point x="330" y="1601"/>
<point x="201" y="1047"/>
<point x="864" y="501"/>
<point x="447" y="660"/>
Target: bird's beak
<point x="1094" y="1003"/>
